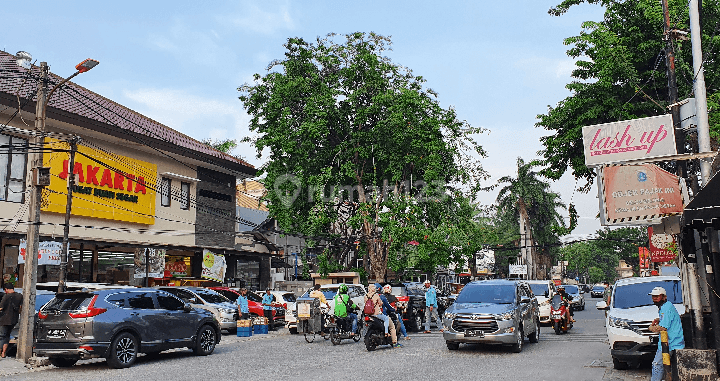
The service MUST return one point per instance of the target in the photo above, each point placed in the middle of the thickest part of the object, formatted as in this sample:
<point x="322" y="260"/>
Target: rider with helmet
<point x="567" y="299"/>
<point x="344" y="307"/>
<point x="387" y="290"/>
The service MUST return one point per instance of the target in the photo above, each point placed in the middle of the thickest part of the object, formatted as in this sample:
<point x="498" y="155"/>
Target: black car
<point x="597" y="292"/>
<point x="118" y="324"/>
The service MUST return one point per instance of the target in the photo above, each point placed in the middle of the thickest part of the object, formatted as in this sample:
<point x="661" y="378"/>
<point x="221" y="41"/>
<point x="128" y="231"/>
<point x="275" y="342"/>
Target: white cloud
<point x="260" y="21"/>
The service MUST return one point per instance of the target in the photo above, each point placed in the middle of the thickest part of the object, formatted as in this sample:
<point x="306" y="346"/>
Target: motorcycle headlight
<point x="449" y="315"/>
<point x="505" y="316"/>
<point x="619" y="323"/>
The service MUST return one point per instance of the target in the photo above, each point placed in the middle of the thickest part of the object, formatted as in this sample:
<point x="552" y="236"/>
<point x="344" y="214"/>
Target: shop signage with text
<point x="660" y="245"/>
<point x="106" y="186"/>
<point x="48" y="252"/>
<point x="640" y="192"/>
<point x="629" y="140"/>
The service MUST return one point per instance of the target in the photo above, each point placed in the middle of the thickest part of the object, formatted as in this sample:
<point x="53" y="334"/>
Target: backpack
<point x="369" y="308"/>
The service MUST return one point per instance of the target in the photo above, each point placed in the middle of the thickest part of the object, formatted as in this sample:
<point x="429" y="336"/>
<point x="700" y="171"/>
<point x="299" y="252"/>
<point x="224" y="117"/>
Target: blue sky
<point x="180" y="62"/>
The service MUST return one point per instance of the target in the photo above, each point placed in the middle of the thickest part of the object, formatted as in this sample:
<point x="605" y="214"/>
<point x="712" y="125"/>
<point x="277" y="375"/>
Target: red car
<point x="254" y="300"/>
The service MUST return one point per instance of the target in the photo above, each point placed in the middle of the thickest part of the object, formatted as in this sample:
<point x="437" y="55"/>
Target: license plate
<point x="56" y="333"/>
<point x="471" y="333"/>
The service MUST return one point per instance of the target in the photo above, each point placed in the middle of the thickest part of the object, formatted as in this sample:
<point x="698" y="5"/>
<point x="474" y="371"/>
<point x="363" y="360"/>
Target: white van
<point x="630" y="313"/>
<point x="544" y="290"/>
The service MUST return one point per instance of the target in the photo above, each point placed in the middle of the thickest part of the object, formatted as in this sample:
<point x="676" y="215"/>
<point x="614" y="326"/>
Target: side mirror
<point x="524" y="300"/>
<point x="601" y="305"/>
<point x="187" y="308"/>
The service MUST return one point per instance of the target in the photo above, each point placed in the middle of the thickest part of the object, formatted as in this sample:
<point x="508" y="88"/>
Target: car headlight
<point x="227" y="311"/>
<point x="449" y="315"/>
<point x="619" y="323"/>
<point x="505" y="316"/>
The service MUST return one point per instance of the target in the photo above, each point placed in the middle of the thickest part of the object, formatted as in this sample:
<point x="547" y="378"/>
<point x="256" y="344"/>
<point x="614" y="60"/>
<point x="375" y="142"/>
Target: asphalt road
<point x="581" y="354"/>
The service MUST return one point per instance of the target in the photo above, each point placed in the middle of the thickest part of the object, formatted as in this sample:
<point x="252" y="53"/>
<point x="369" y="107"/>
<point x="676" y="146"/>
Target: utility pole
<point x="27" y="314"/>
<point x="703" y="129"/>
<point x="62" y="277"/>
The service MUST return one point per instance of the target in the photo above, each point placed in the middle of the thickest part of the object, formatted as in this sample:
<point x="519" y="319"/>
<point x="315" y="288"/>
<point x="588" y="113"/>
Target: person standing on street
<point x="242" y="302"/>
<point x="669" y="321"/>
<point x="431" y="307"/>
<point x="9" y="314"/>
<point x="267" y="302"/>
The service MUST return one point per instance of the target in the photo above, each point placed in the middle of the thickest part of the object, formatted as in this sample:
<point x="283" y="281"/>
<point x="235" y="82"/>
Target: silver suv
<point x="492" y="312"/>
<point x="119" y="324"/>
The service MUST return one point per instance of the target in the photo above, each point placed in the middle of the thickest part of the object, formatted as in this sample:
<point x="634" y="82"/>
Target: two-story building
<point x="138" y="185"/>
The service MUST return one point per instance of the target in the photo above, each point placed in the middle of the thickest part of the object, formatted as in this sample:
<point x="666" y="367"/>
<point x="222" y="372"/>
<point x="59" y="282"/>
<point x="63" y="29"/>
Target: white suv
<point x="630" y="313"/>
<point x="544" y="291"/>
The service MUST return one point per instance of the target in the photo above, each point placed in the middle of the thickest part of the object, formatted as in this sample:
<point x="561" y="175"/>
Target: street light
<point x="25" y="342"/>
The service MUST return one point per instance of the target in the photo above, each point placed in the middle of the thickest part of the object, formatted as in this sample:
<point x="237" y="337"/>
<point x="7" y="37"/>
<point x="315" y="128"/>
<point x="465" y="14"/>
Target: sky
<point x="499" y="64"/>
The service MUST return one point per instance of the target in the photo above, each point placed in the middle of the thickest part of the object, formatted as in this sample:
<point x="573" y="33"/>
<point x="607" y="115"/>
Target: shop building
<point x="138" y="185"/>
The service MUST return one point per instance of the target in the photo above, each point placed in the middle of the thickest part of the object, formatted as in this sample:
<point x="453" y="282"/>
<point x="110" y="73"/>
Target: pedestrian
<point x="431" y="307"/>
<point x="267" y="303"/>
<point x="387" y="290"/>
<point x="242" y="302"/>
<point x="669" y="321"/>
<point x="9" y="314"/>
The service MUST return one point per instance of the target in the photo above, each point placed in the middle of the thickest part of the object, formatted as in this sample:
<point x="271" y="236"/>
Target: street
<point x="581" y="354"/>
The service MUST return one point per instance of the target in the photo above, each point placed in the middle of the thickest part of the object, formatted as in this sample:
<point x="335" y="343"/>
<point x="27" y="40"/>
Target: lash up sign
<point x="107" y="185"/>
<point x="629" y="140"/>
<point x="640" y="192"/>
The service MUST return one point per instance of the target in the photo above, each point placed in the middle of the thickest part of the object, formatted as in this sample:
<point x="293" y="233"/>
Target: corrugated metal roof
<point x="83" y="103"/>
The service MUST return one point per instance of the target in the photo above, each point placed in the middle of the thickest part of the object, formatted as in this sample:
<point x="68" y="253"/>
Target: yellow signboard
<point x="107" y="185"/>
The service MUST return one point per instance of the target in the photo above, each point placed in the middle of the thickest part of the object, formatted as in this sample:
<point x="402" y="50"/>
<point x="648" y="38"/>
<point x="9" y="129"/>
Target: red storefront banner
<point x="644" y="255"/>
<point x="659" y="244"/>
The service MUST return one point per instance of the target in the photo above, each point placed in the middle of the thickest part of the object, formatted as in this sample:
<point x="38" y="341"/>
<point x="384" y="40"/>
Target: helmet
<point x="387" y="289"/>
<point x="343" y="288"/>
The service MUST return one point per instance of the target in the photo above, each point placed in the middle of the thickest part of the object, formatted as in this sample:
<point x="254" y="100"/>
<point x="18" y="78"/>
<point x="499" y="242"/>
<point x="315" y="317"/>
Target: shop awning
<point x="704" y="210"/>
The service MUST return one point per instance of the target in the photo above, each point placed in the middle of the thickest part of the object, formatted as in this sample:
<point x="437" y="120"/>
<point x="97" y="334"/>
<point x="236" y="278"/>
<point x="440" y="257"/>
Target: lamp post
<point x="38" y="177"/>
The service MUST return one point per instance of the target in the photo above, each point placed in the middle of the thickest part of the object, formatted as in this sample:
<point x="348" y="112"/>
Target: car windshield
<point x="212" y="296"/>
<point x="329" y="293"/>
<point x="636" y="295"/>
<point x="413" y="290"/>
<point x="570" y="289"/>
<point x="485" y="293"/>
<point x="598" y="288"/>
<point x="42" y="299"/>
<point x="539" y="288"/>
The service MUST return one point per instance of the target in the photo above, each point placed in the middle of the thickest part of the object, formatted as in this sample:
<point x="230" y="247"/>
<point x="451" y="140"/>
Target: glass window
<point x="636" y="295"/>
<point x="168" y="302"/>
<point x="165" y="192"/>
<point x="539" y="288"/>
<point x="13" y="168"/>
<point x="184" y="195"/>
<point x="141" y="300"/>
<point x="68" y="302"/>
<point x="210" y="296"/>
<point x="495" y="294"/>
<point x="117" y="299"/>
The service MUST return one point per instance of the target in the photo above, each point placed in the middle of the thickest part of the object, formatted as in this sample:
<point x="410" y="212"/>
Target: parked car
<point x="117" y="324"/>
<point x="224" y="310"/>
<point x="413" y="294"/>
<point x="630" y="313"/>
<point x="543" y="290"/>
<point x="287" y="300"/>
<point x="254" y="300"/>
<point x="576" y="293"/>
<point x="493" y="312"/>
<point x="597" y="291"/>
<point x="41" y="297"/>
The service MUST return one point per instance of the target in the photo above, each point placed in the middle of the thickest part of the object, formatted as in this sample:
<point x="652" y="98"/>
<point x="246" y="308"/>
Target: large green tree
<point x="359" y="149"/>
<point x="620" y="74"/>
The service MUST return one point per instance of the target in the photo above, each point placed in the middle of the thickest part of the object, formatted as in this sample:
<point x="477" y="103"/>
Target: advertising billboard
<point x="635" y="139"/>
<point x="660" y="245"/>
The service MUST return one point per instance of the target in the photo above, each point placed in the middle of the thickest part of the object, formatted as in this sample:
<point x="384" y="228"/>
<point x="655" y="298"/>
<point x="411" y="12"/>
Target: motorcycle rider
<point x="344" y="307"/>
<point x="567" y="299"/>
<point x="378" y="313"/>
<point x="387" y="290"/>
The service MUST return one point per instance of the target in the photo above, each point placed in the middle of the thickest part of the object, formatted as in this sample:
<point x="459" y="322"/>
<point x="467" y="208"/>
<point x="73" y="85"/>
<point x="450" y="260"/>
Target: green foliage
<point x="224" y="146"/>
<point x="620" y="74"/>
<point x="349" y="134"/>
<point x="596" y="275"/>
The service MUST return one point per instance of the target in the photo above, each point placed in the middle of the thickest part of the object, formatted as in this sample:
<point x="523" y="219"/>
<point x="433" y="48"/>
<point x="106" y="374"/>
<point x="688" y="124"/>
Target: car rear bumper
<point x="85" y="350"/>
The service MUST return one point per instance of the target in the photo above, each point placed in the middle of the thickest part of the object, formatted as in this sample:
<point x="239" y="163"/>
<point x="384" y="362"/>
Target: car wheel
<point x="535" y="336"/>
<point x="520" y="338"/>
<point x="452" y="346"/>
<point x="123" y="351"/>
<point x="205" y="341"/>
<point x="62" y="362"/>
<point x="619" y="365"/>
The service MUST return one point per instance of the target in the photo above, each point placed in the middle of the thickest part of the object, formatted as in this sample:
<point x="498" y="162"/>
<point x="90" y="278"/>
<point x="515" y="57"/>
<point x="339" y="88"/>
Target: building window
<point x="165" y="192"/>
<point x="184" y="195"/>
<point x="13" y="168"/>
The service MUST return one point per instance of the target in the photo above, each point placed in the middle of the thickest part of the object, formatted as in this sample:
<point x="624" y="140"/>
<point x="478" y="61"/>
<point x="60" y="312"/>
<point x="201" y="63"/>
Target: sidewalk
<point x="10" y="366"/>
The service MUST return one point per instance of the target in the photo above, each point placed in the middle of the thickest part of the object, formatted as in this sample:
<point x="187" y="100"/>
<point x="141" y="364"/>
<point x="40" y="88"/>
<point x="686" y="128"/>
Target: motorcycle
<point x="559" y="315"/>
<point x="341" y="328"/>
<point x="375" y="333"/>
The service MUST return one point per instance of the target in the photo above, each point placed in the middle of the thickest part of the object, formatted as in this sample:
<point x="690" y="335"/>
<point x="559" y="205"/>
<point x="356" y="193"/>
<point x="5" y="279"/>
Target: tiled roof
<point x="84" y="105"/>
<point x="249" y="193"/>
